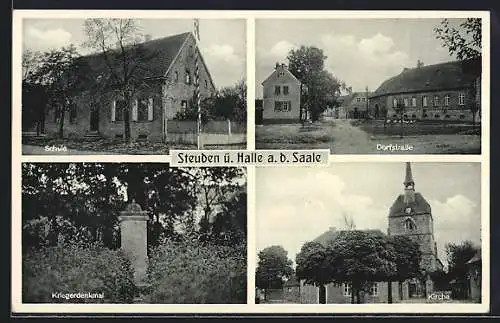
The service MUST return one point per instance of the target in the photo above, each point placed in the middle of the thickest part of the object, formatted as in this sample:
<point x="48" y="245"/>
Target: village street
<point x="343" y="136"/>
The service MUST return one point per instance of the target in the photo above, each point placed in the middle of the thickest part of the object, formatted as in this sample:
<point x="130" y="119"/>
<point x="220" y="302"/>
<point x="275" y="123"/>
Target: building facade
<point x="410" y="215"/>
<point x="281" y="96"/>
<point x="444" y="92"/>
<point x="168" y="75"/>
<point x="354" y="105"/>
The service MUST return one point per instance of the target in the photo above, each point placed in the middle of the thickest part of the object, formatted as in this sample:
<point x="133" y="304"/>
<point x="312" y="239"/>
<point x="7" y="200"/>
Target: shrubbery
<point x="74" y="268"/>
<point x="195" y="273"/>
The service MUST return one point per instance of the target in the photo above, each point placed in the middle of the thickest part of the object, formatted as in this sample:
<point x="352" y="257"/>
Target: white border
<point x="18" y="307"/>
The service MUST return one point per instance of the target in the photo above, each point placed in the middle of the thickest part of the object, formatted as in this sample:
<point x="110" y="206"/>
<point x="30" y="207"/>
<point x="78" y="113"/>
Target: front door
<point x="94" y="118"/>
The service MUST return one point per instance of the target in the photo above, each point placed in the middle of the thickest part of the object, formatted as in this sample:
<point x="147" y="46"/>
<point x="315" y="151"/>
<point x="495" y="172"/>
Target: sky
<point x="297" y="204"/>
<point x="361" y="52"/>
<point x="222" y="41"/>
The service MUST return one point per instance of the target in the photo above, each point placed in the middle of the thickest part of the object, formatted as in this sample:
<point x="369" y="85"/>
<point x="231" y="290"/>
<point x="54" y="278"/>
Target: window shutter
<point x="150" y="109"/>
<point x="113" y="110"/>
<point x="134" y="111"/>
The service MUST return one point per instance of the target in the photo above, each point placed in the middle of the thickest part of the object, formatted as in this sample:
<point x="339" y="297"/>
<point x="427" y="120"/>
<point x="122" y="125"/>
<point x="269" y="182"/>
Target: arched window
<point x="409" y="225"/>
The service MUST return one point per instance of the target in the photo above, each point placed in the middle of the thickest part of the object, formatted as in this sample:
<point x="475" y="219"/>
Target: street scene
<point x="370" y="86"/>
<point x="132" y="86"/>
<point x="333" y="236"/>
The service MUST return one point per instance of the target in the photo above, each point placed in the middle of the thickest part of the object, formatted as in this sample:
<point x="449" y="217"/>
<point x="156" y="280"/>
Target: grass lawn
<point x="363" y="137"/>
<point x="34" y="146"/>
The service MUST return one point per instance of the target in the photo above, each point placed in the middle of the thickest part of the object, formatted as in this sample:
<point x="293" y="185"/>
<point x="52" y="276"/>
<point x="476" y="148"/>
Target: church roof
<point x="444" y="76"/>
<point x="419" y="205"/>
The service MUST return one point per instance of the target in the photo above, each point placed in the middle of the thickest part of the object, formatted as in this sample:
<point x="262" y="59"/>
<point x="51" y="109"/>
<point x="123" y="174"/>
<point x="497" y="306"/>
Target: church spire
<point x="408" y="177"/>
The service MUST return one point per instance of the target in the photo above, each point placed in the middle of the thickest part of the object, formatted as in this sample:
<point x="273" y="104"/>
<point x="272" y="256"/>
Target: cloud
<point x="358" y="62"/>
<point x="39" y="39"/>
<point x="281" y="48"/>
<point x="306" y="206"/>
<point x="455" y="220"/>
<point x="226" y="65"/>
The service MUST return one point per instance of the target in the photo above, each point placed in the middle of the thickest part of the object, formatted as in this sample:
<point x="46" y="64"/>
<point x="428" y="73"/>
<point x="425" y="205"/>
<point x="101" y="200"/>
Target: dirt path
<point x="350" y="139"/>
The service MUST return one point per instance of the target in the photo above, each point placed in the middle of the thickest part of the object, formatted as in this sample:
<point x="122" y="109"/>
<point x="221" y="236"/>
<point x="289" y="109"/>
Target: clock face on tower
<point x="408" y="210"/>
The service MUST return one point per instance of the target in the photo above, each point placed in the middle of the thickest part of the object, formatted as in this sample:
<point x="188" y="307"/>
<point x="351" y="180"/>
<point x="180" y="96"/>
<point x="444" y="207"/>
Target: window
<point x="277" y="90"/>
<point x="337" y="285"/>
<point x="414" y="116"/>
<point x="282" y="106"/>
<point x="406" y="102"/>
<point x="437" y="116"/>
<point x="461" y="98"/>
<point x="409" y="225"/>
<point x="176" y="76"/>
<point x="424" y="101"/>
<point x="358" y="99"/>
<point x="394" y="103"/>
<point x="374" y="289"/>
<point x="446" y="100"/>
<point x="363" y="99"/>
<point x="347" y="289"/>
<point x="447" y="116"/>
<point x="414" y="102"/>
<point x="285" y="90"/>
<point x="184" y="104"/>
<point x="462" y="116"/>
<point x="425" y="115"/>
<point x="436" y="101"/>
<point x="142" y="109"/>
<point x="405" y="116"/>
<point x="281" y="73"/>
<point x="188" y="77"/>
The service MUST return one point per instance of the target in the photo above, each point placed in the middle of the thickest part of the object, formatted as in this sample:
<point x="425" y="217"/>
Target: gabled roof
<point x="444" y="76"/>
<point x="419" y="205"/>
<point x="159" y="54"/>
<point x="346" y="99"/>
<point x="287" y="72"/>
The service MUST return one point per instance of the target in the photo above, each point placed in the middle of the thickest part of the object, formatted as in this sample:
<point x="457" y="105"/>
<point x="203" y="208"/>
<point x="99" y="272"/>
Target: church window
<point x="409" y="225"/>
<point x="188" y="77"/>
<point x="347" y="289"/>
<point x="394" y="103"/>
<point x="414" y="102"/>
<point x="374" y="289"/>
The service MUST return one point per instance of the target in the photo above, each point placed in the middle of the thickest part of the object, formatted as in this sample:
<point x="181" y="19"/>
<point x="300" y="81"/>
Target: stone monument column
<point x="134" y="241"/>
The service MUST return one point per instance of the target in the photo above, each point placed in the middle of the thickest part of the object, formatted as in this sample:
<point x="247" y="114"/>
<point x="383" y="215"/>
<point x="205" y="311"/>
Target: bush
<point x="74" y="268"/>
<point x="193" y="273"/>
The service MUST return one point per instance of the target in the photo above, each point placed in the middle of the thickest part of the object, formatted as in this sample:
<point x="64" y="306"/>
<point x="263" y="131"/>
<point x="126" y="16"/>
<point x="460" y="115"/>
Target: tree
<point x="229" y="103"/>
<point x="312" y="267"/>
<point x="323" y="89"/>
<point x="125" y="59"/>
<point x="273" y="266"/>
<point x="407" y="256"/>
<point x="230" y="223"/>
<point x="360" y="258"/>
<point x="458" y="255"/>
<point x="59" y="74"/>
<point x="464" y="42"/>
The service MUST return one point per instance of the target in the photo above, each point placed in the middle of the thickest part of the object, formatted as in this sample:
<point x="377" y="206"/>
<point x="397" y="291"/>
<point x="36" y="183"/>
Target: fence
<point x="214" y="132"/>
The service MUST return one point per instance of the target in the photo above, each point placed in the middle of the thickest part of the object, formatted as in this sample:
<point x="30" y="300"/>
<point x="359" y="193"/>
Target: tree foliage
<point x="464" y="40"/>
<point x="458" y="255"/>
<point x="228" y="103"/>
<point x="320" y="89"/>
<point x="126" y="60"/>
<point x="273" y="267"/>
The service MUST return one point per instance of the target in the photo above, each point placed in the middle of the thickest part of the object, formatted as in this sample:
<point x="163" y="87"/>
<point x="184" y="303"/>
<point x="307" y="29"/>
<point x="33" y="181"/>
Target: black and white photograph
<point x="369" y="85"/>
<point x="133" y="233"/>
<point x="132" y="86"/>
<point x="409" y="233"/>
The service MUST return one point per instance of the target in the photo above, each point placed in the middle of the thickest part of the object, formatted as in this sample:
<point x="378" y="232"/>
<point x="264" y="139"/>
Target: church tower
<point x="410" y="215"/>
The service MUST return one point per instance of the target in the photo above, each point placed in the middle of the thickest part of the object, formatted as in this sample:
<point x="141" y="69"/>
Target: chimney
<point x="420" y="64"/>
<point x="148" y="37"/>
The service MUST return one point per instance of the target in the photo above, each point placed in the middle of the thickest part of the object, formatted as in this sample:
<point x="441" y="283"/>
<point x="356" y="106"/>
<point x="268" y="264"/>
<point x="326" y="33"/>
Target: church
<point x="410" y="215"/>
